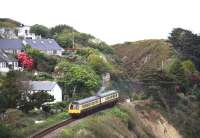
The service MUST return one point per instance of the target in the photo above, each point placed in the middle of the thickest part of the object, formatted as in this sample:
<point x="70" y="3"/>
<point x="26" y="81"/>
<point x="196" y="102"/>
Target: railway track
<point x="46" y="131"/>
<point x="52" y="128"/>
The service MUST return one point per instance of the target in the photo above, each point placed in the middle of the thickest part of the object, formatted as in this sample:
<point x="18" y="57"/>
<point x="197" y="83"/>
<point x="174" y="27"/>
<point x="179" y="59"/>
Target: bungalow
<point x="51" y="88"/>
<point x="48" y="46"/>
<point x="7" y="62"/>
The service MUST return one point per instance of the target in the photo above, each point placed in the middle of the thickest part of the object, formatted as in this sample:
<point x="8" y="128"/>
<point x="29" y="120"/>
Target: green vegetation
<point x="14" y="93"/>
<point x="42" y="62"/>
<point x="144" y="56"/>
<point x="5" y="22"/>
<point x="186" y="44"/>
<point x="23" y="125"/>
<point x="116" y="122"/>
<point x="40" y="30"/>
<point x="168" y="74"/>
<point x="77" y="78"/>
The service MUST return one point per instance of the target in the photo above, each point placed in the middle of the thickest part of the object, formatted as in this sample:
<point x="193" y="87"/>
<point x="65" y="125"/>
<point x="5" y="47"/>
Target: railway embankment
<point x="129" y="120"/>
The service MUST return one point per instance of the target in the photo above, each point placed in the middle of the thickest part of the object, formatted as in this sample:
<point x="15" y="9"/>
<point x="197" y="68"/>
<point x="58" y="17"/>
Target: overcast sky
<point x="113" y="21"/>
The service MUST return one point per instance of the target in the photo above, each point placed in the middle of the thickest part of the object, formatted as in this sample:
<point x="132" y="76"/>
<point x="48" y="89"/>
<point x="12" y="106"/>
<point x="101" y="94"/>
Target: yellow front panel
<point x="74" y="111"/>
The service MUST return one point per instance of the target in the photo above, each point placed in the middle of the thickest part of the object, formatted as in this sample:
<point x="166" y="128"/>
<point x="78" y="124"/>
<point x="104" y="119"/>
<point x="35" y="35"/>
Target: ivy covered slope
<point x="144" y="56"/>
<point x="168" y="75"/>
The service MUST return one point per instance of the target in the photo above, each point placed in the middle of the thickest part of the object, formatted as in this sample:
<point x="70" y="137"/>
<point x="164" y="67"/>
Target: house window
<point x="3" y="65"/>
<point x="15" y="64"/>
<point x="54" y="52"/>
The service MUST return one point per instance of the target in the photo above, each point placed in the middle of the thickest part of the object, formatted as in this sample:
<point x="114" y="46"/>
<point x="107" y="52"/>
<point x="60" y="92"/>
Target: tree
<point x="60" y="29"/>
<point x="40" y="30"/>
<point x="178" y="74"/>
<point x="3" y="103"/>
<point x="31" y="100"/>
<point x="64" y="39"/>
<point x="186" y="44"/>
<point x="77" y="78"/>
<point x="11" y="88"/>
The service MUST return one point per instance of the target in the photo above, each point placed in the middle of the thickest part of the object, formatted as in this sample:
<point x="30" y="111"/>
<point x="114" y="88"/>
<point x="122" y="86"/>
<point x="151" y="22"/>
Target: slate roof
<point x="42" y="85"/>
<point x="43" y="44"/>
<point x="15" y="44"/>
<point x="6" y="57"/>
<point x="40" y="44"/>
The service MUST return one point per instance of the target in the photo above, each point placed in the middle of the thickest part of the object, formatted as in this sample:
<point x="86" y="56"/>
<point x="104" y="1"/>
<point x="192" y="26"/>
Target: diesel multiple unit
<point x="87" y="105"/>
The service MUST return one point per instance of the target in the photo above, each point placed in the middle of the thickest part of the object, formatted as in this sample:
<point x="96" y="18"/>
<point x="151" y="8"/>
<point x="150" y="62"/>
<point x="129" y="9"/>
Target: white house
<point x="7" y="62"/>
<point x="8" y="33"/>
<point x="50" y="87"/>
<point x="24" y="32"/>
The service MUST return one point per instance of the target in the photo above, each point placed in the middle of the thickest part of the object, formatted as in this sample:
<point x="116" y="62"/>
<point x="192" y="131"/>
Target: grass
<point x="120" y="121"/>
<point x="25" y="126"/>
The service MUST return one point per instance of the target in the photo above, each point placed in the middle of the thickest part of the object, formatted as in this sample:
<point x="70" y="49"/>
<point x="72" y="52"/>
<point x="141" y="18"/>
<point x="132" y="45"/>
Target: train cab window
<point x="74" y="106"/>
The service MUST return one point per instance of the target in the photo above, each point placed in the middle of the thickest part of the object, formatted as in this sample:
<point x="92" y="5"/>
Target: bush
<point x="178" y="74"/>
<point x="46" y="109"/>
<point x="42" y="62"/>
<point x="59" y="106"/>
<point x="189" y="67"/>
<point x="98" y="63"/>
<point x="5" y="131"/>
<point x="43" y="76"/>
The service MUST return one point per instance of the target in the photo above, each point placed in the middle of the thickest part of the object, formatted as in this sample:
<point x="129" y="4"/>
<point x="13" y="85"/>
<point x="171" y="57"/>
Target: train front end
<point x="74" y="110"/>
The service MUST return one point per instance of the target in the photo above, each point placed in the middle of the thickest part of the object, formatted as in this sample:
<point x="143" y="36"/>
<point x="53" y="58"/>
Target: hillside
<point x="166" y="78"/>
<point x="144" y="56"/>
<point x="6" y="22"/>
<point x="128" y="120"/>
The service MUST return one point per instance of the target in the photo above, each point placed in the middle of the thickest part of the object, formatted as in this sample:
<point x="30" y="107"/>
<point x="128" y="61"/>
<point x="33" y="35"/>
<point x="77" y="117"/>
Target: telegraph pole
<point x="73" y="39"/>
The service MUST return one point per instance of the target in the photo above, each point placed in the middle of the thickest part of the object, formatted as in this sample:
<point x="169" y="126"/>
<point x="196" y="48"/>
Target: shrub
<point x="189" y="67"/>
<point x="98" y="63"/>
<point x="5" y="131"/>
<point x="42" y="62"/>
<point x="43" y="76"/>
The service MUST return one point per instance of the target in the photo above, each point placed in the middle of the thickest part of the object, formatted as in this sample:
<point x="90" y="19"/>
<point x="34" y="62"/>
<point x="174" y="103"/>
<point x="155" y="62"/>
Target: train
<point x="92" y="104"/>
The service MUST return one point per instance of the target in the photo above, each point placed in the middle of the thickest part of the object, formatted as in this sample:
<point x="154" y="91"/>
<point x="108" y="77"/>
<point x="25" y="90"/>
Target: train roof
<point x="107" y="93"/>
<point x="88" y="99"/>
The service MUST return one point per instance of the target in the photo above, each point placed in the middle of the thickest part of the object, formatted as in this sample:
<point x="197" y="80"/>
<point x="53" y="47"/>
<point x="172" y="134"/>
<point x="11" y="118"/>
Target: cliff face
<point x="128" y="120"/>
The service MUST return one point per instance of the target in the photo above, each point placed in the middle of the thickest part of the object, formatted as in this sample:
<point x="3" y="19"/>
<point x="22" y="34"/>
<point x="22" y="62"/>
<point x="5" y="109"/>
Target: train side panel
<point x="102" y="102"/>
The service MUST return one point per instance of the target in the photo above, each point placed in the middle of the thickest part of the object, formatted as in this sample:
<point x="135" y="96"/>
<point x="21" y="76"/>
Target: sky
<point x="113" y="21"/>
